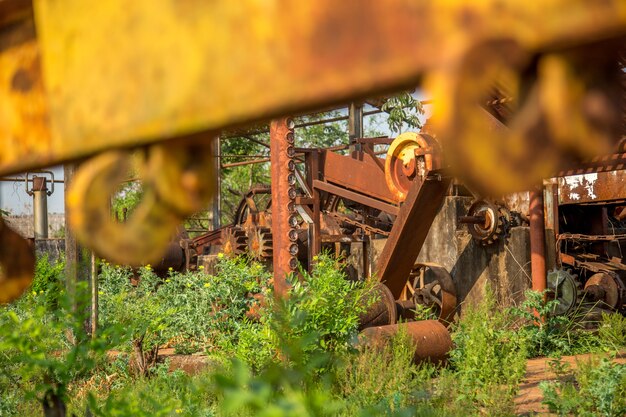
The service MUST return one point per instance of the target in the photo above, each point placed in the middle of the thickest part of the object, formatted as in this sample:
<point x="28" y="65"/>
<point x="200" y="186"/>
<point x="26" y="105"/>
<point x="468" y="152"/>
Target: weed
<point x="612" y="331"/>
<point x="597" y="389"/>
<point x="488" y="362"/>
<point x="45" y="351"/>
<point x="549" y="334"/>
<point x="384" y="378"/>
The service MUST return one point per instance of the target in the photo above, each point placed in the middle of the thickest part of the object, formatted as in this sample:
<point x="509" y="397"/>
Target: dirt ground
<point x="528" y="401"/>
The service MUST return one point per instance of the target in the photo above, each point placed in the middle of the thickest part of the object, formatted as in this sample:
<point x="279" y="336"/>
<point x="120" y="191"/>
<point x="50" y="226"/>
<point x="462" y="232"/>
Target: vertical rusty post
<point x="537" y="240"/>
<point x="284" y="220"/>
<point x="40" y="207"/>
<point x="215" y="204"/>
<point x="77" y="259"/>
<point x="315" y="244"/>
<point x="355" y="125"/>
<point x="94" y="296"/>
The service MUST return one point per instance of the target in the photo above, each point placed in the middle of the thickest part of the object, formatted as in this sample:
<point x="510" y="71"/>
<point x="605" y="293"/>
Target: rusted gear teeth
<point x="497" y="223"/>
<point x="260" y="243"/>
<point x="234" y="241"/>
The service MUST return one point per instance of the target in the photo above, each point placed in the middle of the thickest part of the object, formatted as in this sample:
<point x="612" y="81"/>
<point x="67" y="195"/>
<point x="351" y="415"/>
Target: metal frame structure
<point x="173" y="74"/>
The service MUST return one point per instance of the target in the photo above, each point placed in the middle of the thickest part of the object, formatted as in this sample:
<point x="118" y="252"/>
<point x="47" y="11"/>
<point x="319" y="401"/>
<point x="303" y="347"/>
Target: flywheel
<point x="432" y="285"/>
<point x="409" y="158"/>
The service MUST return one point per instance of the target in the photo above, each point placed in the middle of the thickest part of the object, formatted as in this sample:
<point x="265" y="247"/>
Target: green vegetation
<point x="293" y="357"/>
<point x="597" y="388"/>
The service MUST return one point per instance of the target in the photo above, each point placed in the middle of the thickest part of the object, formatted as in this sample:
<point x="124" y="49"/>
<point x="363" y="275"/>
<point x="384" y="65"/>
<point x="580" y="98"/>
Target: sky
<point x="13" y="196"/>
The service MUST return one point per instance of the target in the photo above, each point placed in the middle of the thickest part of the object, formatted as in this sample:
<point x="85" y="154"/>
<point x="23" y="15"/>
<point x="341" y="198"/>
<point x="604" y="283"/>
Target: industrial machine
<point x="173" y="76"/>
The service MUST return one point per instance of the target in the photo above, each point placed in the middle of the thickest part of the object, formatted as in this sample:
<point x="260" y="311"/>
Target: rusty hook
<point x="175" y="186"/>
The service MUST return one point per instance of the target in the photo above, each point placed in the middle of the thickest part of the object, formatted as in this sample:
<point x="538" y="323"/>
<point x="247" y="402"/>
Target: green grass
<point x="298" y="359"/>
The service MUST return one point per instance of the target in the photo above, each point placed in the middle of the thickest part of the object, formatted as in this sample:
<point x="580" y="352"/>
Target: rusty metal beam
<point x="602" y="163"/>
<point x="592" y="188"/>
<point x="329" y="53"/>
<point x="356" y="197"/>
<point x="359" y="173"/>
<point x="410" y="230"/>
<point x="283" y="202"/>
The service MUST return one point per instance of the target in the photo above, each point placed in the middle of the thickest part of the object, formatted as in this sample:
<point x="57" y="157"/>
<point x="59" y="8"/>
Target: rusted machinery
<point x="172" y="76"/>
<point x="588" y="214"/>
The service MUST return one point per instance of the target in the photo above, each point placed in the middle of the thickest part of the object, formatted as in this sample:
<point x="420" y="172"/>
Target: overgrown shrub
<point x="598" y="388"/>
<point x="42" y="351"/>
<point x="383" y="380"/>
<point x="322" y="310"/>
<point x="48" y="279"/>
<point x="612" y="331"/>
<point x="549" y="334"/>
<point x="487" y="363"/>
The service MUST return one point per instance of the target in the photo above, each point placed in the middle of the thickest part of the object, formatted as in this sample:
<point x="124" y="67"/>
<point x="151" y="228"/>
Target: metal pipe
<point x="537" y="240"/>
<point x="432" y="339"/>
<point x="472" y="219"/>
<point x="238" y="164"/>
<point x="216" y="203"/>
<point x="40" y="207"/>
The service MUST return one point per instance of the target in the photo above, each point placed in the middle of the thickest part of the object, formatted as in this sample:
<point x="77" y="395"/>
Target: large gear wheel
<point x="260" y="243"/>
<point x="404" y="164"/>
<point x="234" y="241"/>
<point x="496" y="226"/>
<point x="432" y="285"/>
<point x="564" y="287"/>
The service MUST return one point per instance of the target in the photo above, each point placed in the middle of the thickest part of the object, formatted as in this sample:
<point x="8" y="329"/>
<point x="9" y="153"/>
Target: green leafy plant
<point x="403" y="110"/>
<point x="48" y="279"/>
<point x="488" y="362"/>
<point x="612" y="331"/>
<point x="549" y="334"/>
<point x="45" y="350"/>
<point x="383" y="379"/>
<point x="598" y="388"/>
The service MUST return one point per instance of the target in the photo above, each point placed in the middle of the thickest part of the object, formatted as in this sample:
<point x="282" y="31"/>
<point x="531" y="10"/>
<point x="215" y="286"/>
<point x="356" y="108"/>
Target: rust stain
<point x="22" y="81"/>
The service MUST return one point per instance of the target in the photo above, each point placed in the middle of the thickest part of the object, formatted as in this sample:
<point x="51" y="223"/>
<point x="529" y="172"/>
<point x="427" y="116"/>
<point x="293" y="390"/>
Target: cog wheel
<point x="260" y="243"/>
<point x="497" y="224"/>
<point x="564" y="287"/>
<point x="234" y="241"/>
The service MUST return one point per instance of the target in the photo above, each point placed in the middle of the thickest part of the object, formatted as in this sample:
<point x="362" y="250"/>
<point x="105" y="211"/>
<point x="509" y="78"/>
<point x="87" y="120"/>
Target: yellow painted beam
<point x="120" y="73"/>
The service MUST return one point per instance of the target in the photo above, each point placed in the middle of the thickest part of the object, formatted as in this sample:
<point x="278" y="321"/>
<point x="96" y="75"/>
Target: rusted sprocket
<point x="234" y="241"/>
<point x="260" y="243"/>
<point x="495" y="226"/>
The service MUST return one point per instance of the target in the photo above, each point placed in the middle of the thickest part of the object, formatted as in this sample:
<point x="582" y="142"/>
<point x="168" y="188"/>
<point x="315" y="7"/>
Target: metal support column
<point x="40" y="207"/>
<point x="284" y="217"/>
<point x="537" y="240"/>
<point x="77" y="259"/>
<point x="215" y="204"/>
<point x="355" y="125"/>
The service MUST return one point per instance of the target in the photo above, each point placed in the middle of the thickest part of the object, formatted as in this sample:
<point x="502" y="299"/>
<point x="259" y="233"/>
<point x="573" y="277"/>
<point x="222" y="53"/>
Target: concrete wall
<point x="506" y="266"/>
<point x="23" y="224"/>
<point x="53" y="247"/>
